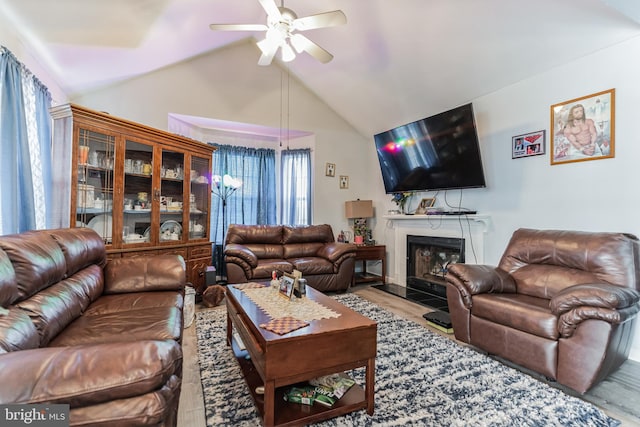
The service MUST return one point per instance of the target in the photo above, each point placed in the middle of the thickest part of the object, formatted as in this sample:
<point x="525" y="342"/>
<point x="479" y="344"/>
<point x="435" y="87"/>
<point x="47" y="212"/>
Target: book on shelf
<point x="325" y="390"/>
<point x="330" y="388"/>
<point x="305" y="395"/>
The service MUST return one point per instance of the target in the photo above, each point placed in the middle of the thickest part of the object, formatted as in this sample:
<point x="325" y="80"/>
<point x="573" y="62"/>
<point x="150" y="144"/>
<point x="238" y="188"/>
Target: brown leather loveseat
<point x="561" y="303"/>
<point x="102" y="337"/>
<point x="252" y="252"/>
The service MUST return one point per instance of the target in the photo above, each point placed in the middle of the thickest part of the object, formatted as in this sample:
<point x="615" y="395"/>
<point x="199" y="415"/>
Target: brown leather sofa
<point x="561" y="303"/>
<point x="102" y="337"/>
<point x="252" y="252"/>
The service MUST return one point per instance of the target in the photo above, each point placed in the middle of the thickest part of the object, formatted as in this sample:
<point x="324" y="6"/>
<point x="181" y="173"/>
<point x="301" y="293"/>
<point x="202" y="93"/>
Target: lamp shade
<point x="358" y="209"/>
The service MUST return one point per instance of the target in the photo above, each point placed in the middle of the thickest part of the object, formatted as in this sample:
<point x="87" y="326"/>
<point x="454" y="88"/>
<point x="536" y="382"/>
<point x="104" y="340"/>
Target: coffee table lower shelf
<point x="296" y="414"/>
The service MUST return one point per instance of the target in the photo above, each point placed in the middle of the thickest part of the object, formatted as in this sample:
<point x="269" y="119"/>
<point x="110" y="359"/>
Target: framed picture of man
<point x="583" y="128"/>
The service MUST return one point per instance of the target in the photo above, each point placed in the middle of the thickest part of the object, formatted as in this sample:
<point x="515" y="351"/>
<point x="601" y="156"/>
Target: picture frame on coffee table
<point x="287" y="284"/>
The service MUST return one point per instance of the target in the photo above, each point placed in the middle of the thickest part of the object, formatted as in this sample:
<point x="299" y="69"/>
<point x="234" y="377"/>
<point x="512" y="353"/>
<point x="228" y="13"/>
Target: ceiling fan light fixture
<point x="288" y="54"/>
<point x="268" y="44"/>
<point x="298" y="42"/>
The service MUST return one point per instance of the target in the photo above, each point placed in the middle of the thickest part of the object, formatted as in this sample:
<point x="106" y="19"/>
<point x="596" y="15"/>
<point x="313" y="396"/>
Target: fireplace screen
<point x="428" y="260"/>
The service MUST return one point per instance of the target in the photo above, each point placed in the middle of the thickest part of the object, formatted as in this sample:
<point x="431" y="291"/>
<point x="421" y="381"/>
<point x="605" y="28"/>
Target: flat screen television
<point x="440" y="152"/>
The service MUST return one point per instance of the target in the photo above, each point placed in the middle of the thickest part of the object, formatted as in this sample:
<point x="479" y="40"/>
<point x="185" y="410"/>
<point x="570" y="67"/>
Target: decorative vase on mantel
<point x="401" y="199"/>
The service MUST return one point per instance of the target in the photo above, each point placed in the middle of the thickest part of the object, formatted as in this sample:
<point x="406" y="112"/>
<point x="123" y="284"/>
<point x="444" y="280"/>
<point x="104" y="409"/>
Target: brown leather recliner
<point x="561" y="303"/>
<point x="252" y="252"/>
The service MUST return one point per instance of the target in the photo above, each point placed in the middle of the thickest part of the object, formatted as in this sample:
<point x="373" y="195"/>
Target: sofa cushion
<point x="17" y="331"/>
<point x="152" y="408"/>
<point x="37" y="260"/>
<point x="313" y="265"/>
<point x="309" y="233"/>
<point x="8" y="281"/>
<point x="299" y="250"/>
<point x="134" y="301"/>
<point x="81" y="376"/>
<point x="545" y="281"/>
<point x="54" y="308"/>
<point x="156" y="323"/>
<point x="148" y="273"/>
<point x="81" y="247"/>
<point x="521" y="312"/>
<point x="245" y="234"/>
<point x="267" y="266"/>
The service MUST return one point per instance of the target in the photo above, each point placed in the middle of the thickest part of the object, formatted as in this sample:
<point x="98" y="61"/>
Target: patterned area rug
<point x="422" y="379"/>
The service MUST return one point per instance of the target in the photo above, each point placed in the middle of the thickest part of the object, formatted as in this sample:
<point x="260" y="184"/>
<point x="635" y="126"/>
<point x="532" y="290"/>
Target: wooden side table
<point x="370" y="253"/>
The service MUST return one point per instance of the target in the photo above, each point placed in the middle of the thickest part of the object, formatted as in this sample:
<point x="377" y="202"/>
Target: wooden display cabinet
<point x="144" y="190"/>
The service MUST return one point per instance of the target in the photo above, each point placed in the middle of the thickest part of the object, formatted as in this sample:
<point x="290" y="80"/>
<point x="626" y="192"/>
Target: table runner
<point x="277" y="307"/>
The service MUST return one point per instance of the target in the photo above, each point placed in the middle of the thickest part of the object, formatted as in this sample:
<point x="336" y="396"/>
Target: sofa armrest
<point x="148" y="273"/>
<point x="601" y="295"/>
<point x="87" y="375"/>
<point x="336" y="250"/>
<point x="242" y="253"/>
<point x="472" y="279"/>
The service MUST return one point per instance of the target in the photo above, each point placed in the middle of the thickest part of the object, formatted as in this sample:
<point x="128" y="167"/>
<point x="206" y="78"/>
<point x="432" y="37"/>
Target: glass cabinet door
<point x="171" y="196"/>
<point x="138" y="193"/>
<point x="95" y="182"/>
<point x="199" y="198"/>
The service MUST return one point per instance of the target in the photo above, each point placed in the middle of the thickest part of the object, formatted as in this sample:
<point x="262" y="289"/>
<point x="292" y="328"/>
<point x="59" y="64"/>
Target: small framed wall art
<point x="344" y="182"/>
<point x="528" y="144"/>
<point x="583" y="128"/>
<point x="330" y="169"/>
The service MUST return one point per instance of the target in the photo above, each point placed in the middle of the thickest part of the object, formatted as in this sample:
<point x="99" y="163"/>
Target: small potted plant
<point x="401" y="199"/>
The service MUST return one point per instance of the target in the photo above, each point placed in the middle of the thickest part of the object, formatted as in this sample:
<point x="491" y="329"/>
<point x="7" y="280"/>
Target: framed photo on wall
<point x="583" y="128"/>
<point x="330" y="169"/>
<point x="528" y="144"/>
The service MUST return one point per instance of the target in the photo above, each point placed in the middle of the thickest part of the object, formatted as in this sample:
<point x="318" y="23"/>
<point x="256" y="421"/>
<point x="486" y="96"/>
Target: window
<point x="258" y="199"/>
<point x="295" y="193"/>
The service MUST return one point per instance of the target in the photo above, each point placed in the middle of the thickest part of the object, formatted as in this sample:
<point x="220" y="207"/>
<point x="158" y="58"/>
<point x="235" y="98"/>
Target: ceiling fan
<point x="281" y="32"/>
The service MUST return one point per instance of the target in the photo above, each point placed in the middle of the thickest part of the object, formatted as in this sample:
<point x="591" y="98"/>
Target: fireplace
<point x="428" y="259"/>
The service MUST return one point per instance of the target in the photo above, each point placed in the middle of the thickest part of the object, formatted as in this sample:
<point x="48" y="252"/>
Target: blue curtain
<point x="255" y="201"/>
<point x="296" y="187"/>
<point x="25" y="151"/>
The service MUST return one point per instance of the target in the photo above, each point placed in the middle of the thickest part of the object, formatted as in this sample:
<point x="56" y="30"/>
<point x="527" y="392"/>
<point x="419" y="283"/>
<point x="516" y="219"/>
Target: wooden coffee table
<point x="325" y="346"/>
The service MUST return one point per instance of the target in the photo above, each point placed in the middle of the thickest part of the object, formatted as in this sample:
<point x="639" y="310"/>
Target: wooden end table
<point x="324" y="347"/>
<point x="366" y="253"/>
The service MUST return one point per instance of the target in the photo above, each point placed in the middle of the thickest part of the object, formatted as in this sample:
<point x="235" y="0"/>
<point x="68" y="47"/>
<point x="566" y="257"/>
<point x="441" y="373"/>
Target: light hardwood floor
<point x="619" y="396"/>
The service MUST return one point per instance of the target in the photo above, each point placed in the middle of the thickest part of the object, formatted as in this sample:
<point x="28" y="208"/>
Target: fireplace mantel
<point x="472" y="228"/>
<point x="485" y="220"/>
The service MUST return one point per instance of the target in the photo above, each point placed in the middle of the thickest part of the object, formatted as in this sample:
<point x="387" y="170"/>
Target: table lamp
<point x="359" y="211"/>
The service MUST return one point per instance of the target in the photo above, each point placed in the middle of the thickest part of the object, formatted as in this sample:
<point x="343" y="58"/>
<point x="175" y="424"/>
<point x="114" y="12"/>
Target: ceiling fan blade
<point x="321" y="20"/>
<point x="267" y="55"/>
<point x="271" y="8"/>
<point x="238" y="27"/>
<point x="301" y="43"/>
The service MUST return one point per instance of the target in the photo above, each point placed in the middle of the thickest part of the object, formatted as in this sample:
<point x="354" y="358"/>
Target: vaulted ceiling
<point x="394" y="61"/>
